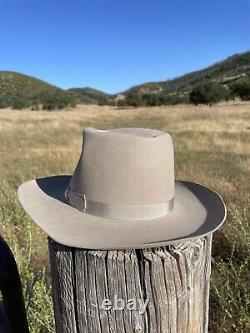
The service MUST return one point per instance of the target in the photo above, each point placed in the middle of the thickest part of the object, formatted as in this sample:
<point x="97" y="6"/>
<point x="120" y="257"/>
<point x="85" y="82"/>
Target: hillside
<point x="90" y="96"/>
<point x="226" y="71"/>
<point x="19" y="91"/>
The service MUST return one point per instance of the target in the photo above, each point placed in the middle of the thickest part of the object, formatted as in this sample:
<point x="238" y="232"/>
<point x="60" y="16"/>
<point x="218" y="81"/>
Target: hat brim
<point x="198" y="211"/>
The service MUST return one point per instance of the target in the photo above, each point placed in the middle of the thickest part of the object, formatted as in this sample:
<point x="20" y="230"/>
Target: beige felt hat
<point x="122" y="194"/>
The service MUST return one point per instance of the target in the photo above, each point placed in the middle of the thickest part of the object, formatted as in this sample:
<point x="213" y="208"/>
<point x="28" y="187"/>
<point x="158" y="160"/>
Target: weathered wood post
<point x="175" y="280"/>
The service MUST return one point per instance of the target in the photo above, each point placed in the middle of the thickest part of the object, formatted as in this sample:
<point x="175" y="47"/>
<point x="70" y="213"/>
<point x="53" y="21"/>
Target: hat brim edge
<point x="22" y="193"/>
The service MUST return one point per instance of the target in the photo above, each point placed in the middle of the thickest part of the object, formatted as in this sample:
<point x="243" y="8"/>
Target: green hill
<point x="19" y="91"/>
<point x="232" y="77"/>
<point x="90" y="96"/>
<point x="227" y="71"/>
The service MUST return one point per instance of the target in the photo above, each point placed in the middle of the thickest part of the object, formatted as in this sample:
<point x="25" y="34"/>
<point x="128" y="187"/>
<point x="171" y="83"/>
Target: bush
<point x="209" y="92"/>
<point x="151" y="100"/>
<point x="134" y="99"/>
<point x="103" y="101"/>
<point x="3" y="104"/>
<point x="174" y="99"/>
<point x="241" y="89"/>
<point x="19" y="103"/>
<point x="51" y="100"/>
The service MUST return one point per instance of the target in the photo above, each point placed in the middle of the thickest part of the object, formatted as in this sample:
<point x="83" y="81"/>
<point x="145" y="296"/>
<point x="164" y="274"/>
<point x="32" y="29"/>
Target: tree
<point x="209" y="92"/>
<point x="134" y="99"/>
<point x="241" y="89"/>
<point x="151" y="99"/>
<point x="51" y="100"/>
<point x="19" y="103"/>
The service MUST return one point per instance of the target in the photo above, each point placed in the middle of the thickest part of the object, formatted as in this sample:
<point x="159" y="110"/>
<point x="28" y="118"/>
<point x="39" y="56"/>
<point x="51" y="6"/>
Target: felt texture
<point x="125" y="167"/>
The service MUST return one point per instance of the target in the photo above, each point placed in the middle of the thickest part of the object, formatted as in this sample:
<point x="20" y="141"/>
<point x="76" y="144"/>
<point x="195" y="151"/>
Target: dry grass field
<point x="212" y="147"/>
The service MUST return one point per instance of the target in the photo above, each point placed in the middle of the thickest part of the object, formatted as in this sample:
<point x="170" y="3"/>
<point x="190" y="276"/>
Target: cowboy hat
<point x="122" y="194"/>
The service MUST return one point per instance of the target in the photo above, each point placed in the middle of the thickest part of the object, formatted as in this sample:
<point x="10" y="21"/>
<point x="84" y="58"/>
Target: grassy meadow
<point x="212" y="147"/>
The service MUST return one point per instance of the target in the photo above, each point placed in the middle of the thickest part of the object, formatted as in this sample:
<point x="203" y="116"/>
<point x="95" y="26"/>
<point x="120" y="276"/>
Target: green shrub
<point x="174" y="99"/>
<point x="19" y="103"/>
<point x="209" y="92"/>
<point x="51" y="100"/>
<point x="134" y="99"/>
<point x="151" y="100"/>
<point x="241" y="89"/>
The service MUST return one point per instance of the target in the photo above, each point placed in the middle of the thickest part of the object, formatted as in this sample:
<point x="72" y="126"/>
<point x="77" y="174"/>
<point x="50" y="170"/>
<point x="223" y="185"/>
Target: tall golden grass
<point x="212" y="147"/>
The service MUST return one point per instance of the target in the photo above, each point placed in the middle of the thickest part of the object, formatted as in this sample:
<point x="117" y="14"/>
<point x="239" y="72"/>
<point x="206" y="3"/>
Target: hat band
<point x="115" y="211"/>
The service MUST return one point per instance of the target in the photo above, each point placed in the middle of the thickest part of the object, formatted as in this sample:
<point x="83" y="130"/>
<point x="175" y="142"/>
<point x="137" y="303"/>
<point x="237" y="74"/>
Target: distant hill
<point x="226" y="71"/>
<point x="90" y="96"/>
<point x="19" y="90"/>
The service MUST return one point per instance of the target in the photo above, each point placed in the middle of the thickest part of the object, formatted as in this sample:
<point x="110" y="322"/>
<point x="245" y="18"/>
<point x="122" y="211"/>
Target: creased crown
<point x="127" y="166"/>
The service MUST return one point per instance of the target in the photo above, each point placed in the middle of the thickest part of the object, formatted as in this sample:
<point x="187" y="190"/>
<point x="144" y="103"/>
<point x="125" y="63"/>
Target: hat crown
<point x="126" y="166"/>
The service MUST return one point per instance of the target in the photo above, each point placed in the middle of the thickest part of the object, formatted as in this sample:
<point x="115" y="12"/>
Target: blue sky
<point x="115" y="44"/>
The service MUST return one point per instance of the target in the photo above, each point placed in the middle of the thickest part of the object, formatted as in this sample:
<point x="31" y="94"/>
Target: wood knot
<point x="138" y="329"/>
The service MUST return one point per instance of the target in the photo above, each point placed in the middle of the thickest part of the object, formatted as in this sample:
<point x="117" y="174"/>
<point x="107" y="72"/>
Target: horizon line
<point x="132" y="86"/>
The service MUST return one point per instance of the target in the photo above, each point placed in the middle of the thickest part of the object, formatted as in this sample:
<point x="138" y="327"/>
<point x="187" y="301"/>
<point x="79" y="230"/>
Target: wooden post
<point x="175" y="280"/>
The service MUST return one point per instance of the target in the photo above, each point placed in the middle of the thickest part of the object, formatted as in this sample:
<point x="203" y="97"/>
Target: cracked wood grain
<point x="174" y="278"/>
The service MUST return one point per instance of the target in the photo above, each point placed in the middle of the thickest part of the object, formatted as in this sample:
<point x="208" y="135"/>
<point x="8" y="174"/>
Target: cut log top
<point x="170" y="287"/>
